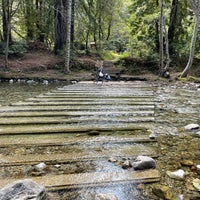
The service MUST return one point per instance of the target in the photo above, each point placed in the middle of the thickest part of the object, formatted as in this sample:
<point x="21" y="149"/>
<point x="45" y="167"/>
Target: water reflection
<point x="15" y="92"/>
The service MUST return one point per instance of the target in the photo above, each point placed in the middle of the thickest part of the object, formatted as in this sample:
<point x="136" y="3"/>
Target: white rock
<point x="11" y="81"/>
<point x="144" y="162"/>
<point x="180" y="197"/>
<point x="152" y="136"/>
<point x="105" y="197"/>
<point x="179" y="174"/>
<point x="57" y="166"/>
<point x="197" y="134"/>
<point x="191" y="126"/>
<point x="40" y="166"/>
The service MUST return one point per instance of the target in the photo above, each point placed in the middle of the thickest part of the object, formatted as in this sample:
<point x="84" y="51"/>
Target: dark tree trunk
<point x="6" y="20"/>
<point x="157" y="31"/>
<point x="39" y="25"/>
<point x="72" y="22"/>
<point x="60" y="25"/>
<point x="29" y="24"/>
<point x="172" y="25"/>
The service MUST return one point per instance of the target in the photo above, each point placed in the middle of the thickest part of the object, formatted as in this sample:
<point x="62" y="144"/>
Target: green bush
<point x="15" y="49"/>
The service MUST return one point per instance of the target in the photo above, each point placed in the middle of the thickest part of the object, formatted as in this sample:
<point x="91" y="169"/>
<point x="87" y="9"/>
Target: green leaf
<point x="196" y="184"/>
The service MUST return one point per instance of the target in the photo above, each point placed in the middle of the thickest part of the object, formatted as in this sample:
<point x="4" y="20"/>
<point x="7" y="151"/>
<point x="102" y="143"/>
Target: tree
<point x="161" y="36"/>
<point x="8" y="13"/>
<point x="60" y="25"/>
<point x="172" y="24"/>
<point x="195" y="6"/>
<point x="68" y="36"/>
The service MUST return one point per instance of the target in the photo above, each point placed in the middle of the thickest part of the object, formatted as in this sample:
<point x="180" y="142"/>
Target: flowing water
<point x="90" y="125"/>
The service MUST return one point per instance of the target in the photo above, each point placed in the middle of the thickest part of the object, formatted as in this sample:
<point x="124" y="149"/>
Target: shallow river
<point x="176" y="106"/>
<point x="10" y="93"/>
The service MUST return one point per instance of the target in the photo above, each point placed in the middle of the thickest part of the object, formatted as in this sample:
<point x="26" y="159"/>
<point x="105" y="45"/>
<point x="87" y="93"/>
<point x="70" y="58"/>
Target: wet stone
<point x="127" y="164"/>
<point x="105" y="197"/>
<point x="188" y="163"/>
<point x="23" y="189"/>
<point x="162" y="192"/>
<point x="179" y="174"/>
<point x="144" y="162"/>
<point x="191" y="126"/>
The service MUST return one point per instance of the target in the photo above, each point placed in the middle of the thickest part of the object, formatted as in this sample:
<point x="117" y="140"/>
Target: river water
<point x="176" y="106"/>
<point x="14" y="92"/>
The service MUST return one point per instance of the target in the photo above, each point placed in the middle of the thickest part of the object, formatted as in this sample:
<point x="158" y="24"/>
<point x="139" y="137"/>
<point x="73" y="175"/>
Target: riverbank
<point x="43" y="65"/>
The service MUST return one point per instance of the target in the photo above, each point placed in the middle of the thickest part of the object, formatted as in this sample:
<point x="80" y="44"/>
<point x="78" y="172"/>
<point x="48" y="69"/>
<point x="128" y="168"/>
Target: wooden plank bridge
<point x="75" y="130"/>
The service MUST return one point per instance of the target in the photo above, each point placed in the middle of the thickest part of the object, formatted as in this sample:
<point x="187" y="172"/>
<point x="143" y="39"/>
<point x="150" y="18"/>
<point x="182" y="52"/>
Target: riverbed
<point x="176" y="105"/>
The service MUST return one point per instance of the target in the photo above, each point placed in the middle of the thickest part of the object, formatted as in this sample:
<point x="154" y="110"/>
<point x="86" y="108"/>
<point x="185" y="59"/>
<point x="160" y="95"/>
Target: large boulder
<point x="23" y="189"/>
<point x="144" y="162"/>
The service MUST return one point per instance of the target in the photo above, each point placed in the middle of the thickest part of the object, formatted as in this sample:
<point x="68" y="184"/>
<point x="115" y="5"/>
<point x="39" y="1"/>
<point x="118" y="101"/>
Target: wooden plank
<point x="89" y="98"/>
<point x="92" y="179"/>
<point x="70" y="120"/>
<point x="25" y="142"/>
<point x="82" y="103"/>
<point x="28" y="112"/>
<point x="82" y="154"/>
<point x="77" y="128"/>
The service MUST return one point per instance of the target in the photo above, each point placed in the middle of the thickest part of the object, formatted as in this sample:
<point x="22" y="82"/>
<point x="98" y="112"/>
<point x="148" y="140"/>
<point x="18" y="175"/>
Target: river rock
<point x="23" y="189"/>
<point x="105" y="197"/>
<point x="40" y="167"/>
<point x="152" y="136"/>
<point x="144" y="162"/>
<point x="126" y="164"/>
<point x="188" y="163"/>
<point x="191" y="126"/>
<point x="162" y="192"/>
<point x="197" y="134"/>
<point x="179" y="174"/>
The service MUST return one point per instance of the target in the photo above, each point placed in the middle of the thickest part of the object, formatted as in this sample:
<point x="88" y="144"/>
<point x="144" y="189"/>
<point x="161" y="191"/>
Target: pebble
<point x="162" y="191"/>
<point x="105" y="197"/>
<point x="191" y="126"/>
<point x="40" y="166"/>
<point x="179" y="174"/>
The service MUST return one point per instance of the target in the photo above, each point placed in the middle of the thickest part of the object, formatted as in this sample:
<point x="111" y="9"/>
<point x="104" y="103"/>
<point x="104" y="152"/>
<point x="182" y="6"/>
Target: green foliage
<point x="15" y="49"/>
<point x="108" y="55"/>
<point x="143" y="27"/>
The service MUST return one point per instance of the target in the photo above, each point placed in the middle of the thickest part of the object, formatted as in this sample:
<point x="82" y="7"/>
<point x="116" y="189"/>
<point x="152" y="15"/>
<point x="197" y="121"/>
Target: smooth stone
<point x="40" y="166"/>
<point x="188" y="163"/>
<point x="23" y="189"/>
<point x="179" y="174"/>
<point x="144" y="162"/>
<point x="162" y="192"/>
<point x="191" y="126"/>
<point x="105" y="197"/>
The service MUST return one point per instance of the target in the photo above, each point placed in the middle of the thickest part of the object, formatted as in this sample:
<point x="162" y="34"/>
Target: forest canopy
<point x="131" y="28"/>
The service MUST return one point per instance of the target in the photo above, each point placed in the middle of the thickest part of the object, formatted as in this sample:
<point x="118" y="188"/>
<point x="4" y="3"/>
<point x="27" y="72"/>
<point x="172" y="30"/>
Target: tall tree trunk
<point x="157" y="30"/>
<point x="7" y="45"/>
<point x="161" y="36"/>
<point x="72" y="23"/>
<point x="168" y="60"/>
<point x="6" y="18"/>
<point x="172" y="25"/>
<point x="68" y="37"/>
<point x="29" y="23"/>
<point x="60" y="25"/>
<point x="192" y="47"/>
<point x="39" y="24"/>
